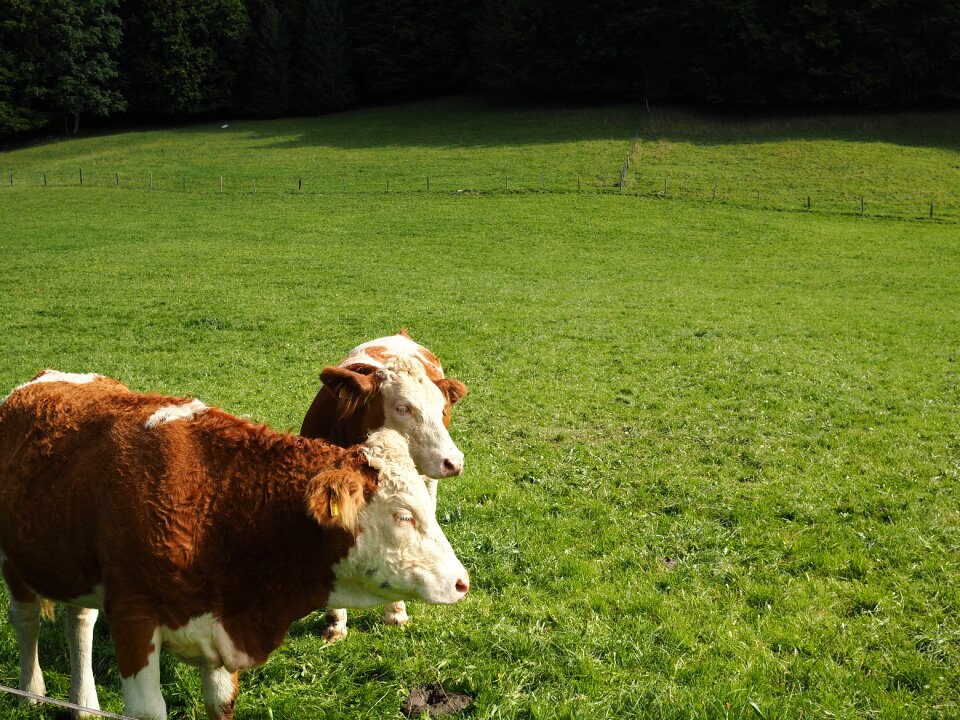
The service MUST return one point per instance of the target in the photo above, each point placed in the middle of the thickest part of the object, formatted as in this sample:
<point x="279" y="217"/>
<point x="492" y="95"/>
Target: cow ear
<point x="453" y="389"/>
<point x="335" y="498"/>
<point x="357" y="381"/>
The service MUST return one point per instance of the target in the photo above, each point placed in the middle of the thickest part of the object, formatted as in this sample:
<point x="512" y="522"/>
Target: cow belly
<point x="203" y="641"/>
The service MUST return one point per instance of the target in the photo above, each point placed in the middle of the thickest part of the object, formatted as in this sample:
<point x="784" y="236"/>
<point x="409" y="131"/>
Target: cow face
<point x="400" y="552"/>
<point x="410" y="404"/>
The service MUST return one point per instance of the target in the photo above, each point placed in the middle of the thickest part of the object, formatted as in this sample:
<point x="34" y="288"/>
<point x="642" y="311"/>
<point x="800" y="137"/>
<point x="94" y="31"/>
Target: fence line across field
<point x="62" y="703"/>
<point x="936" y="206"/>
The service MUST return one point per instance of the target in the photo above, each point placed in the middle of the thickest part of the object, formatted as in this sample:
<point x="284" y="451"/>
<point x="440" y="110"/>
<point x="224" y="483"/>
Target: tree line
<point x="61" y="59"/>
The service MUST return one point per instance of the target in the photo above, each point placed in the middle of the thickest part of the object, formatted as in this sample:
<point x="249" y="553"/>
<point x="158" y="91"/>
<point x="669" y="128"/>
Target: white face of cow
<point x="414" y="407"/>
<point x="400" y="552"/>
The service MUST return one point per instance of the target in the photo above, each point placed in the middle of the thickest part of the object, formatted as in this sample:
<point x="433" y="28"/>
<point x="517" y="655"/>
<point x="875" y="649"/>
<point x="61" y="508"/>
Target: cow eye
<point x="403" y="410"/>
<point x="403" y="518"/>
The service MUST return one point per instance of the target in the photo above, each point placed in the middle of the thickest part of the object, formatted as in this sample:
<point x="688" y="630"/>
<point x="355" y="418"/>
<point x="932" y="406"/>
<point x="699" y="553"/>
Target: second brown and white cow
<point x="390" y="382"/>
<point x="360" y="395"/>
<point x="197" y="532"/>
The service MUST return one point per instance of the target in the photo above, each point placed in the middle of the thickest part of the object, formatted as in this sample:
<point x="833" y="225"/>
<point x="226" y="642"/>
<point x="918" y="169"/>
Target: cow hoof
<point x="395" y="616"/>
<point x="334" y="632"/>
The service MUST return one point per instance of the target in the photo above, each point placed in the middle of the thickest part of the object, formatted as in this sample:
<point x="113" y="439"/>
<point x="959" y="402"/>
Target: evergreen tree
<point x="320" y="55"/>
<point x="74" y="68"/>
<point x="262" y="90"/>
<point x="180" y="56"/>
<point x="18" y="56"/>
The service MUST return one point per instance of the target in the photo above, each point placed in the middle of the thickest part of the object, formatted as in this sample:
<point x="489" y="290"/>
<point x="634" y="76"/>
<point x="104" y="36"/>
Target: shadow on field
<point x="471" y="122"/>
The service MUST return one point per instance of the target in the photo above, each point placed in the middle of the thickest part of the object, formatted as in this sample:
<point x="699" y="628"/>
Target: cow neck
<point x="280" y="561"/>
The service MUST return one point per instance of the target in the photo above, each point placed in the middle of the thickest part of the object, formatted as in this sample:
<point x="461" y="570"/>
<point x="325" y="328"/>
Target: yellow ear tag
<point x="334" y="507"/>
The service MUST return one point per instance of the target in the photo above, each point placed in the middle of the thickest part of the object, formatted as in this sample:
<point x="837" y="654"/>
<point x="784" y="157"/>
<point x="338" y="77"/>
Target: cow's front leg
<point x="219" y="692"/>
<point x="138" y="658"/>
<point x="395" y="613"/>
<point x="78" y="625"/>
<point x="336" y="627"/>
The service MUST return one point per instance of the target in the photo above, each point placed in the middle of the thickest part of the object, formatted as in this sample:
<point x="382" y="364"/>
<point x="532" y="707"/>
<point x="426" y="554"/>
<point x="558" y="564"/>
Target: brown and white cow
<point x="360" y="395"/>
<point x="390" y="382"/>
<point x="197" y="531"/>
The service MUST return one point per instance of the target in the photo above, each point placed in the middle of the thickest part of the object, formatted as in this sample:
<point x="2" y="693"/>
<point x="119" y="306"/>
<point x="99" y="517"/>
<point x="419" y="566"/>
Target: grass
<point x="712" y="452"/>
<point x="897" y="164"/>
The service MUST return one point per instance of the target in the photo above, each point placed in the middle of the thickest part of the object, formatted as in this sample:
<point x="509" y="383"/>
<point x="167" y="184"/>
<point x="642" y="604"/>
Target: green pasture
<point x="893" y="165"/>
<point x="712" y="447"/>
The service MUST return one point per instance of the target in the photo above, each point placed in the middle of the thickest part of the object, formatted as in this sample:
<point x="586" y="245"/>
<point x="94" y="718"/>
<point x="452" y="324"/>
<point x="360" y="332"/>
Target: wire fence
<point x="642" y="183"/>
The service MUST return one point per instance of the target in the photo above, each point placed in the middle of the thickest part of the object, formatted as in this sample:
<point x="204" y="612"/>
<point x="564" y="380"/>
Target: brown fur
<point x="214" y="514"/>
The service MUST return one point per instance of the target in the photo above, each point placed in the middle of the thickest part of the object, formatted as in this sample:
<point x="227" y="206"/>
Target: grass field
<point x="712" y="450"/>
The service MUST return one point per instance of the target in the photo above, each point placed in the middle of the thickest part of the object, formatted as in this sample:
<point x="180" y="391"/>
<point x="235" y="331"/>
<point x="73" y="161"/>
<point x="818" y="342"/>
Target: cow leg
<point x="336" y="628"/>
<point x="25" y="618"/>
<point x="78" y="625"/>
<point x="138" y="658"/>
<point x="219" y="692"/>
<point x="395" y="613"/>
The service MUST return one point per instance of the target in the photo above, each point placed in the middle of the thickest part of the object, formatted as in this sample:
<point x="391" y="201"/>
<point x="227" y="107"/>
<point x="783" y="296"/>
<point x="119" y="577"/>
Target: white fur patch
<point x="169" y="413"/>
<point x="141" y="693"/>
<point x="218" y="687"/>
<point x="402" y="553"/>
<point x="204" y="641"/>
<point x="56" y="376"/>
<point x="393" y="346"/>
<point x="405" y="385"/>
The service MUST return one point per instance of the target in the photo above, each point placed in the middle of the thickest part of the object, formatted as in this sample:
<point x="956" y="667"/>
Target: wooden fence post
<point x="221" y="183"/>
<point x="81" y="176"/>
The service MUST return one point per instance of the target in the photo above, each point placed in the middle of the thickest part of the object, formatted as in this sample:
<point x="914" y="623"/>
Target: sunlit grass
<point x="712" y="452"/>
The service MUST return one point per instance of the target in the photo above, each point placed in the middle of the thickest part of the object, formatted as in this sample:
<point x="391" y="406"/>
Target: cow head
<point x="401" y="397"/>
<point x="400" y="552"/>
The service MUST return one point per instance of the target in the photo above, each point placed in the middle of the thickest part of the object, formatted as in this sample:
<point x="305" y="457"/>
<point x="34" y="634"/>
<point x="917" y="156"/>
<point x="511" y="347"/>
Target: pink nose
<point x="451" y="467"/>
<point x="462" y="586"/>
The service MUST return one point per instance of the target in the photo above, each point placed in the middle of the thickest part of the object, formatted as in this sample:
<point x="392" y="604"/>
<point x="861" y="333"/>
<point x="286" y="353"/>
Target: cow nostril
<point x="452" y="468"/>
<point x="462" y="586"/>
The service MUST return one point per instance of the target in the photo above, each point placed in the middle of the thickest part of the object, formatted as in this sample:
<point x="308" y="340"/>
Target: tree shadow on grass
<point x="477" y="121"/>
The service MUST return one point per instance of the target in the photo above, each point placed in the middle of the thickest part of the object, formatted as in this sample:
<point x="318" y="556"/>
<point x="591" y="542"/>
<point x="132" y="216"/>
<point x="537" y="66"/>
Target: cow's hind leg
<point x="24" y="616"/>
<point x="78" y="624"/>
<point x="219" y="692"/>
<point x="336" y="627"/>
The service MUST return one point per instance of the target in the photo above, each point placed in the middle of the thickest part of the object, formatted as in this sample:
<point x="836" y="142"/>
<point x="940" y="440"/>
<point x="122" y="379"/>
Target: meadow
<point x="712" y="447"/>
